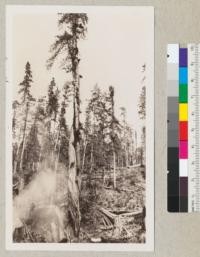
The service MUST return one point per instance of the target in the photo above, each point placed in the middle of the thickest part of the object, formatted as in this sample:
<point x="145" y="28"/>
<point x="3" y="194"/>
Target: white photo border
<point x="115" y="247"/>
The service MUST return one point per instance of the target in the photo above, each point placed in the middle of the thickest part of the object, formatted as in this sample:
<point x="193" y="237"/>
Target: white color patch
<point x="183" y="168"/>
<point x="173" y="53"/>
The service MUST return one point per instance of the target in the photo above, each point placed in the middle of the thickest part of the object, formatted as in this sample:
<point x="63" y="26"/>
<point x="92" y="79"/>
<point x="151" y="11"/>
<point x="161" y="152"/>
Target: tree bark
<point x="126" y="151"/>
<point x="76" y="123"/>
<point x="113" y="136"/>
<point x="73" y="188"/>
<point x="91" y="164"/>
<point x="23" y="148"/>
<point x="24" y="136"/>
<point x="114" y="169"/>
<point x="16" y="160"/>
<point x="84" y="153"/>
<point x="74" y="180"/>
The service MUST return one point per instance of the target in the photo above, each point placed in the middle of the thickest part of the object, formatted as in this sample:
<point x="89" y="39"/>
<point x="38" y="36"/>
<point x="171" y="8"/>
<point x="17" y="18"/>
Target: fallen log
<point x="107" y="240"/>
<point x="113" y="214"/>
<point x="121" y="189"/>
<point x="106" y="228"/>
<point x="115" y="221"/>
<point x="136" y="213"/>
<point x="107" y="213"/>
<point x="134" y="166"/>
<point x="127" y="190"/>
<point x="119" y="212"/>
<point x="108" y="187"/>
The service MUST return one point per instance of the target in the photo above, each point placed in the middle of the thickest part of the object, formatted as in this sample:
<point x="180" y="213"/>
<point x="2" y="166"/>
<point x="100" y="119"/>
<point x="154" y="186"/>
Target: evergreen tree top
<point x="25" y="85"/>
<point x="74" y="29"/>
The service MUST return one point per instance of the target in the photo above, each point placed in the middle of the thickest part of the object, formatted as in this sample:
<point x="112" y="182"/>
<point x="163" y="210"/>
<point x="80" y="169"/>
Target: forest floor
<point x="125" y="204"/>
<point x="107" y="214"/>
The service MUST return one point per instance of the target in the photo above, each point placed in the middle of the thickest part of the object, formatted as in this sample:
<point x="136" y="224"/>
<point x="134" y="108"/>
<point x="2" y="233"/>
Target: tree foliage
<point x="25" y="85"/>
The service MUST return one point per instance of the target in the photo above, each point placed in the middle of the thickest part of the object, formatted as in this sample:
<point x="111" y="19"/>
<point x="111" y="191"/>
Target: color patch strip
<point x="173" y="125"/>
<point x="183" y="130"/>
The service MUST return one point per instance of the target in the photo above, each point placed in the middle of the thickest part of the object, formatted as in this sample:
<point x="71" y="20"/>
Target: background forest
<point x="76" y="180"/>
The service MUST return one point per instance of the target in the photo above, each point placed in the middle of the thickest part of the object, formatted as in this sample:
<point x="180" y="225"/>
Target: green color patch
<point x="183" y="93"/>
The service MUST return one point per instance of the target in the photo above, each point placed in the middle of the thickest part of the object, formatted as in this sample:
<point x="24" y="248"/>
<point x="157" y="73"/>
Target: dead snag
<point x="73" y="189"/>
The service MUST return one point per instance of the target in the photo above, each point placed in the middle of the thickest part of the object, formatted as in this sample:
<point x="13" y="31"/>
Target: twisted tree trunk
<point x="74" y="180"/>
<point x="73" y="188"/>
<point x="23" y="148"/>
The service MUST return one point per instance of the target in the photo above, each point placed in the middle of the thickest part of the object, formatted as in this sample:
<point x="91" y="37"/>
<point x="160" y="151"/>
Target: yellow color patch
<point x="183" y="112"/>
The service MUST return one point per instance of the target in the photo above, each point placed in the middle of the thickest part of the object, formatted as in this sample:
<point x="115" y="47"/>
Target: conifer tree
<point x="111" y="95"/>
<point x="61" y="145"/>
<point x="74" y="25"/>
<point x="142" y="111"/>
<point x="26" y="99"/>
<point x="31" y="152"/>
<point x="50" y="101"/>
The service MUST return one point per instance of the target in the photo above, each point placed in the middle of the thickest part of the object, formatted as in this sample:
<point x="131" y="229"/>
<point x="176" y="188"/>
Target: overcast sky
<point x="116" y="47"/>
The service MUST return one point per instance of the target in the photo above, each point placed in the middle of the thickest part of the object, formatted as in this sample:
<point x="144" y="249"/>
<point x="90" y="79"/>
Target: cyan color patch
<point x="183" y="75"/>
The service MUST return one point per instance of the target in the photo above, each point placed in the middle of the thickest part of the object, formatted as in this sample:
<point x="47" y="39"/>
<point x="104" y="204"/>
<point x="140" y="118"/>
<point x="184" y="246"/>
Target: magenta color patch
<point x="183" y="149"/>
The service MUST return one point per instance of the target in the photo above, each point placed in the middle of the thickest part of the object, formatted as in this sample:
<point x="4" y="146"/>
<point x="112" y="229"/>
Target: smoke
<point x="39" y="192"/>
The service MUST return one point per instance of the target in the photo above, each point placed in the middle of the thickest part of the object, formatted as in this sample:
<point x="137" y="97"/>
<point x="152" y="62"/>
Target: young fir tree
<point x="93" y="129"/>
<point x="66" y="45"/>
<point x="97" y="131"/>
<point x="127" y="139"/>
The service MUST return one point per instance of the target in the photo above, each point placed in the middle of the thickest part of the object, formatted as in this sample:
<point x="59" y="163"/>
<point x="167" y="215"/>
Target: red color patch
<point x="183" y="130"/>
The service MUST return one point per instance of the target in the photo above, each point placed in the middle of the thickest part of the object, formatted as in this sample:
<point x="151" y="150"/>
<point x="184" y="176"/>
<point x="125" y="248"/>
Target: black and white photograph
<point x="80" y="128"/>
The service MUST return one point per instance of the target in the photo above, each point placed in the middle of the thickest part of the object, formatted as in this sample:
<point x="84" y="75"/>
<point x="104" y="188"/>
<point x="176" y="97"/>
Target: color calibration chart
<point x="183" y="82"/>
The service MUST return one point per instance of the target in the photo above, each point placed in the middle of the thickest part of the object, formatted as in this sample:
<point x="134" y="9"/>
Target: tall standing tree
<point x="95" y="125"/>
<point x="61" y="144"/>
<point x="52" y="104"/>
<point x="66" y="45"/>
<point x="113" y="121"/>
<point x="142" y="111"/>
<point x="26" y="98"/>
<point x="31" y="152"/>
<point x="124" y="134"/>
<point x="15" y="145"/>
<point x="14" y="107"/>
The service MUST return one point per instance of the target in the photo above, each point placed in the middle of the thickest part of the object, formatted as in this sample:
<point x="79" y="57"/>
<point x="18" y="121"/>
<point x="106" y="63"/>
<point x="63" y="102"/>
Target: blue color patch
<point x="183" y="75"/>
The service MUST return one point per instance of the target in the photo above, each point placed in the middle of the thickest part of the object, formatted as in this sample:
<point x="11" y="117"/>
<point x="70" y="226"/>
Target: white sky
<point x="116" y="47"/>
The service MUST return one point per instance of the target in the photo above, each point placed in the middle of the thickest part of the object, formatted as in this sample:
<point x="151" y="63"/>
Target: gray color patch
<point x="172" y="121"/>
<point x="172" y="71"/>
<point x="172" y="106"/>
<point x="172" y="88"/>
<point x="172" y="140"/>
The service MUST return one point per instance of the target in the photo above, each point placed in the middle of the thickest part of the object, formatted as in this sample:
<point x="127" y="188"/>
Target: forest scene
<point x="78" y="165"/>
